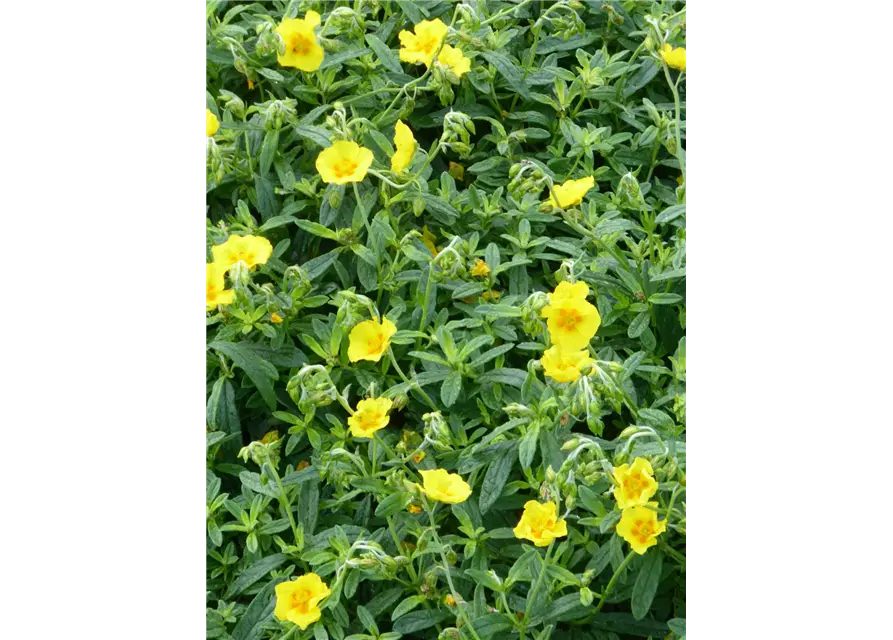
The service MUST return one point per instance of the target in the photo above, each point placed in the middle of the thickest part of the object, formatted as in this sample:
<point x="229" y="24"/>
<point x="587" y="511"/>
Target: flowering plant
<point x="445" y="320"/>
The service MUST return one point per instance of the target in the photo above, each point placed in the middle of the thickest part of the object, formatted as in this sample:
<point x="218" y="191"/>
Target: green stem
<point x="536" y="586"/>
<point x="407" y="381"/>
<point x="288" y="634"/>
<point x="285" y="502"/>
<point x="497" y="16"/>
<point x="675" y="89"/>
<point x="576" y="162"/>
<point x="446" y="570"/>
<point x="613" y="579"/>
<point x="374" y="453"/>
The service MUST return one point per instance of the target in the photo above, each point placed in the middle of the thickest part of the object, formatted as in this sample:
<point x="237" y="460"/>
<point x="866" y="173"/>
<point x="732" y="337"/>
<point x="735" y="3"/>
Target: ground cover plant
<point x="446" y="318"/>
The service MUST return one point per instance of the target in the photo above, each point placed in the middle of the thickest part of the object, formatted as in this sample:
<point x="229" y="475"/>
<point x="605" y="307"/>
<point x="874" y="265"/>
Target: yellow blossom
<point x="252" y="250"/>
<point x="302" y="51"/>
<point x="673" y="57"/>
<point x="211" y="123"/>
<point x="270" y="437"/>
<point x="570" y="192"/>
<point x="445" y="487"/>
<point x="540" y="524"/>
<point x="454" y="59"/>
<point x="414" y="509"/>
<point x="449" y="600"/>
<point x="639" y="527"/>
<point x="298" y="601"/>
<point x="370" y="416"/>
<point x="481" y="269"/>
<point x="217" y="291"/>
<point x="563" y="365"/>
<point x="406" y="145"/>
<point x="345" y="161"/>
<point x="275" y="318"/>
<point x="635" y="484"/>
<point x="369" y="340"/>
<point x="428" y="239"/>
<point x="572" y="321"/>
<point x="492" y="294"/>
<point x="420" y="45"/>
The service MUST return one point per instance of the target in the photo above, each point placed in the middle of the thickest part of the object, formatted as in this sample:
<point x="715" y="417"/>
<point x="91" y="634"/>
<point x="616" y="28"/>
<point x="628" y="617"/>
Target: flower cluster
<point x="634" y="487"/>
<point x="572" y="323"/>
<point x="248" y="250"/>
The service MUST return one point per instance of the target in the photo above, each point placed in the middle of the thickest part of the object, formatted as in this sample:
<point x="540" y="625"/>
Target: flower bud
<point x="570" y="444"/>
<point x="586" y="596"/>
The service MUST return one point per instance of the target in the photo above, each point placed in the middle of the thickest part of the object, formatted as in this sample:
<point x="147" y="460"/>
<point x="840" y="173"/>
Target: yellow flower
<point x="673" y="57"/>
<point x="414" y="509"/>
<point x="428" y="239"/>
<point x="419" y="47"/>
<point x="298" y="601"/>
<point x="635" y="484"/>
<point x="639" y="526"/>
<point x="454" y="59"/>
<point x="302" y="51"/>
<point x="571" y="320"/>
<point x="445" y="487"/>
<point x="540" y="523"/>
<point x="252" y="250"/>
<point x="217" y="291"/>
<point x="571" y="192"/>
<point x="275" y="318"/>
<point x="371" y="415"/>
<point x="564" y="365"/>
<point x="211" y="123"/>
<point x="344" y="162"/>
<point x="449" y="600"/>
<point x="406" y="146"/>
<point x="369" y="340"/>
<point x="270" y="437"/>
<point x="492" y="294"/>
<point x="481" y="269"/>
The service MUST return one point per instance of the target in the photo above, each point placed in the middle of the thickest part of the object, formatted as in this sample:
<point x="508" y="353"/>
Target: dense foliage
<point x="446" y="353"/>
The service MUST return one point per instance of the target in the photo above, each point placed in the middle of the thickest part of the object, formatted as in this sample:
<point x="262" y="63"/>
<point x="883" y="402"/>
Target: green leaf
<point x="643" y="76"/>
<point x="509" y="71"/>
<point x="451" y="388"/>
<point x="259" y="371"/>
<point x="316" y="229"/>
<point x="393" y="503"/>
<point x="342" y="56"/>
<point x="527" y="448"/>
<point x="277" y="221"/>
<point x="254" y="573"/>
<point x="670" y="213"/>
<point x="664" y="298"/>
<point x="494" y="480"/>
<point x="315" y="134"/>
<point x="646" y="583"/>
<point x="250" y="624"/>
<point x="485" y="579"/>
<point x="315" y="267"/>
<point x="223" y="414"/>
<point x="384" y="53"/>
<point x="418" y="620"/>
<point x="407" y="605"/>
<point x="268" y="151"/>
<point x="638" y="325"/>
<point x="441" y="210"/>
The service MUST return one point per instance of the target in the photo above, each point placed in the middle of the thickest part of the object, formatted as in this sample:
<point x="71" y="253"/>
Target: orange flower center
<point x="427" y="44"/>
<point x="568" y="319"/>
<point x="369" y="419"/>
<point x="539" y="528"/>
<point x="300" y="44"/>
<point x="300" y="600"/>
<point x="344" y="168"/>
<point x="245" y="256"/>
<point x="374" y="345"/>
<point x="643" y="530"/>
<point x="634" y="485"/>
